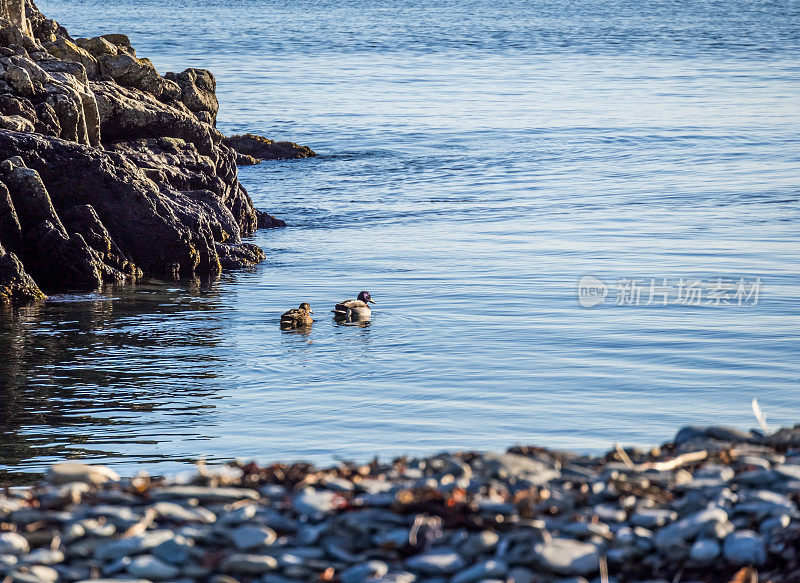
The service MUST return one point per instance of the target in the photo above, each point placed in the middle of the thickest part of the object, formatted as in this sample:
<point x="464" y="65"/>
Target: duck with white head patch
<point x="354" y="310"/>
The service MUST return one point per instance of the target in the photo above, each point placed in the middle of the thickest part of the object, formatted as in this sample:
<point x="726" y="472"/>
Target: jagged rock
<point x="267" y="221"/>
<point x="16" y="123"/>
<point x="198" y="88"/>
<point x="266" y="149"/>
<point x="69" y="51"/>
<point x="154" y="225"/>
<point x="15" y="283"/>
<point x="242" y="255"/>
<point x="115" y="267"/>
<point x="14" y="11"/>
<point x="121" y="41"/>
<point x="127" y="70"/>
<point x="10" y="229"/>
<point x="97" y="46"/>
<point x="30" y="197"/>
<point x="112" y="170"/>
<point x="47" y="121"/>
<point x="245" y="160"/>
<point x="56" y="258"/>
<point x="19" y="79"/>
<point x="178" y="164"/>
<point x="11" y="105"/>
<point x="127" y="114"/>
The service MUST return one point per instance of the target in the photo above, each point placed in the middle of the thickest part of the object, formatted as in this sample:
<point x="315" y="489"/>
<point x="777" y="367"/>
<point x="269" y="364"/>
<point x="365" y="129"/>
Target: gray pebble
<point x="247" y="537"/>
<point x="438" y="562"/>
<point x="149" y="567"/>
<point x="705" y="550"/>
<point x="568" y="557"/>
<point x="744" y="548"/>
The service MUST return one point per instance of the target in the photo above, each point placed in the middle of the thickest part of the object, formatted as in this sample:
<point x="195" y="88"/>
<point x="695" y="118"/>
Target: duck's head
<point x="307" y="307"/>
<point x="365" y="297"/>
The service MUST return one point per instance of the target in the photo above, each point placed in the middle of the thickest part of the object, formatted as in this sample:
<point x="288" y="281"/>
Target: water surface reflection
<point x="80" y="373"/>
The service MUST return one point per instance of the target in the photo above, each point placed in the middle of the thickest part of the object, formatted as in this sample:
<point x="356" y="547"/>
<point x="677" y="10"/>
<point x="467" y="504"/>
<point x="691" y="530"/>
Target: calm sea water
<point x="476" y="159"/>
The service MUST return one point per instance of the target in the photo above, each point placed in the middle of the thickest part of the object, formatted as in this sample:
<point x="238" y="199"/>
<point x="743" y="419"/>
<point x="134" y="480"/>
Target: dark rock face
<point x="112" y="170"/>
<point x="264" y="149"/>
<point x="15" y="283"/>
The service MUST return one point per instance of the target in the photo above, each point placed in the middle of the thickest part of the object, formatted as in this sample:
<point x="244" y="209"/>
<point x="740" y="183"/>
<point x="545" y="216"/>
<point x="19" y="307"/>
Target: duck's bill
<point x="311" y="312"/>
<point x="371" y="301"/>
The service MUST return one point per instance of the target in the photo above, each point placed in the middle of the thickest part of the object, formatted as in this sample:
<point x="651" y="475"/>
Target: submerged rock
<point x="263" y="148"/>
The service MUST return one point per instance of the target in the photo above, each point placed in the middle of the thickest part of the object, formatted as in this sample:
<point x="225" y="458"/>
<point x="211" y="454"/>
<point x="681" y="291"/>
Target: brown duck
<point x="297" y="317"/>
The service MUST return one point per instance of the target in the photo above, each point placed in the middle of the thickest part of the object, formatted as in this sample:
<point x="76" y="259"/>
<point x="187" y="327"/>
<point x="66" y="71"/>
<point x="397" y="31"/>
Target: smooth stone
<point x="625" y="536"/>
<point x="175" y="551"/>
<point x="238" y="516"/>
<point x="585" y="529"/>
<point x="609" y="513"/>
<point x="72" y="532"/>
<point x="484" y="570"/>
<point x="520" y="575"/>
<point x="8" y="561"/>
<point x="705" y="550"/>
<point x="43" y="557"/>
<point x="715" y="472"/>
<point x="269" y="578"/>
<point x="127" y="580"/>
<point x="689" y="527"/>
<point x="364" y="571"/>
<point x="74" y="472"/>
<point x="115" y="567"/>
<point x="35" y="574"/>
<point x="204" y="493"/>
<point x="568" y="557"/>
<point x="396" y="577"/>
<point x="248" y="537"/>
<point x="132" y="546"/>
<point x="788" y="471"/>
<point x="719" y="433"/>
<point x="744" y="547"/>
<point x="149" y="567"/>
<point x="519" y="467"/>
<point x="756" y="478"/>
<point x="653" y="517"/>
<point x="247" y="564"/>
<point x="178" y="513"/>
<point x="437" y="562"/>
<point x="477" y="543"/>
<point x="776" y="523"/>
<point x="120" y="517"/>
<point x="12" y="543"/>
<point x="315" y="504"/>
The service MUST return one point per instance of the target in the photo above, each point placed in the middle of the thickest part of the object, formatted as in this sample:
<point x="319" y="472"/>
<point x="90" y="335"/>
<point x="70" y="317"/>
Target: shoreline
<point x="712" y="505"/>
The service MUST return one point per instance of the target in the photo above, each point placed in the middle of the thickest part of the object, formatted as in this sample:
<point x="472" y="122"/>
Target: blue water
<point x="476" y="160"/>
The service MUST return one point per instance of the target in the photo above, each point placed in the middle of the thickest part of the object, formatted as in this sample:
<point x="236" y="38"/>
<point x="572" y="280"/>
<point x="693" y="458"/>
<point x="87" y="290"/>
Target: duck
<point x="353" y="310"/>
<point x="297" y="317"/>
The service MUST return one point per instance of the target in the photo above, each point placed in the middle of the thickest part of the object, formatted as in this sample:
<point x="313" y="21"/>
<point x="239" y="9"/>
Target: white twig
<point x="760" y="417"/>
<point x="623" y="455"/>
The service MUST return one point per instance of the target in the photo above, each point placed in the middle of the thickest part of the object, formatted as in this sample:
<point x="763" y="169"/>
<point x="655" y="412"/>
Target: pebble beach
<point x="715" y="504"/>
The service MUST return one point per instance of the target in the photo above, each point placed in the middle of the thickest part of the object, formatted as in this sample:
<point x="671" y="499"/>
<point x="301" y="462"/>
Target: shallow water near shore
<point x="476" y="160"/>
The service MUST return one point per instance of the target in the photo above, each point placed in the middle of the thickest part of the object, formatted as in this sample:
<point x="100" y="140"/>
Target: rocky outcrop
<point x="264" y="149"/>
<point x="112" y="170"/>
<point x="15" y="283"/>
